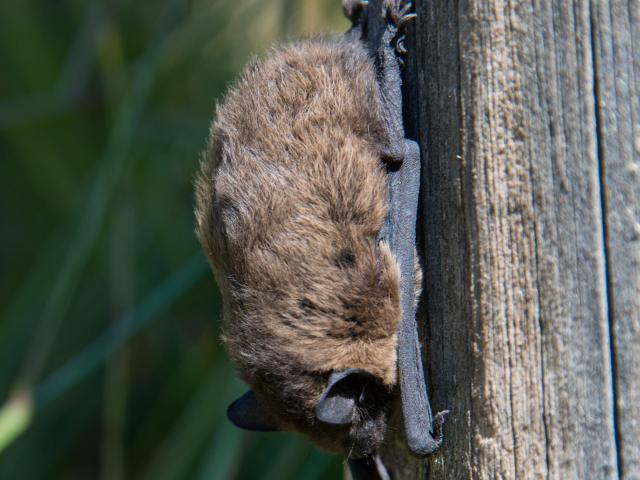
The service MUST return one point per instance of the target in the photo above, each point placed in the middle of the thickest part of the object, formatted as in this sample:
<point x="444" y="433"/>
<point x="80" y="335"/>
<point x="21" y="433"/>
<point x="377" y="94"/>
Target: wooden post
<point x="528" y="116"/>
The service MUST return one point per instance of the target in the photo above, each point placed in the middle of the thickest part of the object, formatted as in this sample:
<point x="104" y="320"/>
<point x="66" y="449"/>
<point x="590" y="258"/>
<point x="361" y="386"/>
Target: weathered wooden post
<point x="528" y="116"/>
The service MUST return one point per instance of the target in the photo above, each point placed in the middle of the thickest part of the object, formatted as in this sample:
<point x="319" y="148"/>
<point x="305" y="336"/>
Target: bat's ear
<point x="247" y="413"/>
<point x="345" y="390"/>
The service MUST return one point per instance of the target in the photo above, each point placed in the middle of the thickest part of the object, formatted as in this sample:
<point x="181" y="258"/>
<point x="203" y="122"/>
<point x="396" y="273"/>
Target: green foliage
<point x="110" y="362"/>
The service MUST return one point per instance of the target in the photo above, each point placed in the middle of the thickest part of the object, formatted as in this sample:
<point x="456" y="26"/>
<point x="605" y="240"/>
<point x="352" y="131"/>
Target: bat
<point x="306" y="207"/>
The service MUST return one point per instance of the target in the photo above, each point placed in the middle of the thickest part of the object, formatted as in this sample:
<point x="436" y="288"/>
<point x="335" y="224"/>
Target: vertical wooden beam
<point x="616" y="43"/>
<point x="528" y="118"/>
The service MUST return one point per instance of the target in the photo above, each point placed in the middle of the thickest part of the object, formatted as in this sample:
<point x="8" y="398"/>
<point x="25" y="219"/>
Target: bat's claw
<point x="398" y="15"/>
<point x="407" y="19"/>
<point x="405" y="7"/>
<point x="400" y="48"/>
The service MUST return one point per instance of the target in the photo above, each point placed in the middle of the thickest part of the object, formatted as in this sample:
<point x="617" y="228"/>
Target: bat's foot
<point x="398" y="13"/>
<point x="388" y="63"/>
<point x="398" y="16"/>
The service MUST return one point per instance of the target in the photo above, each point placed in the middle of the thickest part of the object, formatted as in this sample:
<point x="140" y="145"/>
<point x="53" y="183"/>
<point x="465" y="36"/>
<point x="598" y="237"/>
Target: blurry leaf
<point x="15" y="417"/>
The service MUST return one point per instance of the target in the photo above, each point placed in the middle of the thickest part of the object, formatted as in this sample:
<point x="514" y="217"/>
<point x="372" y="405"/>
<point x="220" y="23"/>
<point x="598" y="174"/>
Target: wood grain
<point x="616" y="34"/>
<point x="528" y="117"/>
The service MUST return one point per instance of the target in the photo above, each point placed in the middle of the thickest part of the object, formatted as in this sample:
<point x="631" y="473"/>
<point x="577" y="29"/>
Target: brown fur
<point x="290" y="198"/>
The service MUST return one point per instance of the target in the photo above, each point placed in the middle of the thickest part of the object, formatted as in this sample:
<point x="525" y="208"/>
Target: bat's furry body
<point x="291" y="197"/>
<point x="307" y="187"/>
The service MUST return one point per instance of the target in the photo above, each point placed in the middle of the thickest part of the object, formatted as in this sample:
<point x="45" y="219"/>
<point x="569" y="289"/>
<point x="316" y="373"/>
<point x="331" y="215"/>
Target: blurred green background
<point x="110" y="362"/>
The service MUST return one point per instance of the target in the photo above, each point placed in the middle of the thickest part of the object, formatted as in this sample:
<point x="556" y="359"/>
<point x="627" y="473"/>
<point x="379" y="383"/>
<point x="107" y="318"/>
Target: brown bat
<point x="306" y="209"/>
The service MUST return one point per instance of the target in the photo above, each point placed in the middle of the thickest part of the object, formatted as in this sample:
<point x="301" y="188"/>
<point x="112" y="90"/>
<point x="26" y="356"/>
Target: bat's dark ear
<point x="247" y="413"/>
<point x="345" y="390"/>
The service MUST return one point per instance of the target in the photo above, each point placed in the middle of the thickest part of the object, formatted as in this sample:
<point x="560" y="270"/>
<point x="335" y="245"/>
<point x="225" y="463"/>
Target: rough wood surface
<point x="616" y="33"/>
<point x="528" y="117"/>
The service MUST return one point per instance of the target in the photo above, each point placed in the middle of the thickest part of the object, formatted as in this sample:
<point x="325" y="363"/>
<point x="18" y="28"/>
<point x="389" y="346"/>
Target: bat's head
<point x="350" y="415"/>
<point x="319" y="351"/>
